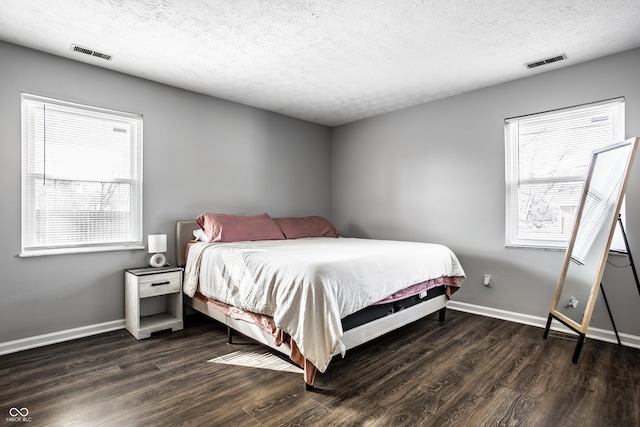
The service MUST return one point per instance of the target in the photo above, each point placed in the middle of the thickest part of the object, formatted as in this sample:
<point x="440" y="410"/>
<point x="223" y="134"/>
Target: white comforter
<point x="308" y="285"/>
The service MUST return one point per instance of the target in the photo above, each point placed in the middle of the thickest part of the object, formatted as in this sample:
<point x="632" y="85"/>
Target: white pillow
<point x="199" y="235"/>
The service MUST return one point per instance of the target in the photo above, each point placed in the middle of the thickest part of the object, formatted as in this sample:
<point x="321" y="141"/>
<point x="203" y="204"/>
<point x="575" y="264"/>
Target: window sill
<point x="80" y="250"/>
<point x="536" y="248"/>
<point x="619" y="252"/>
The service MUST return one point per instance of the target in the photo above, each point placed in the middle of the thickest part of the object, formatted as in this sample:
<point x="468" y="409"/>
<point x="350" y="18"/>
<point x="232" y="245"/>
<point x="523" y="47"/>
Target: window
<point x="547" y="157"/>
<point x="81" y="178"/>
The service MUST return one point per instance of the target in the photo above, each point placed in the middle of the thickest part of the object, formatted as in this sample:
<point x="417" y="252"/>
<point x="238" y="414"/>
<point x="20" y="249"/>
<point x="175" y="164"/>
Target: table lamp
<point x="157" y="245"/>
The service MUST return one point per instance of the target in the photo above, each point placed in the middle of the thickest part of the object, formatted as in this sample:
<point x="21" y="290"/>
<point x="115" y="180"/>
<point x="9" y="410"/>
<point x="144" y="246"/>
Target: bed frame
<point x="351" y="338"/>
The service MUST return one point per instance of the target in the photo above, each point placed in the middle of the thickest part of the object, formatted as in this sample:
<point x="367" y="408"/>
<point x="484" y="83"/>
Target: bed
<point x="303" y="290"/>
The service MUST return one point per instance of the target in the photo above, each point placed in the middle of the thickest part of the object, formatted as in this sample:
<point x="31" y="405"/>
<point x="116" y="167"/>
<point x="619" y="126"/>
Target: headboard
<point x="184" y="234"/>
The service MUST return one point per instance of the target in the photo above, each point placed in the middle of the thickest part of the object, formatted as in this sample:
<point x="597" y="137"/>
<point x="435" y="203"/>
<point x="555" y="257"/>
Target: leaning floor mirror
<point x="588" y="248"/>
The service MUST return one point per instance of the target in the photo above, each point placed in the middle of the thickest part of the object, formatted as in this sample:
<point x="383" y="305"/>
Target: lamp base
<point x="157" y="260"/>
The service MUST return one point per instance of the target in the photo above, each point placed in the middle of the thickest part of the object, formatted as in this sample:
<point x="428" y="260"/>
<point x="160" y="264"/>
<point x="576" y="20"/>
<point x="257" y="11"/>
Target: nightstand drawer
<point x="160" y="284"/>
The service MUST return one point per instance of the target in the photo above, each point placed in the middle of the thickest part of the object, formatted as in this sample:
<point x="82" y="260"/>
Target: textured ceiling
<point x="326" y="61"/>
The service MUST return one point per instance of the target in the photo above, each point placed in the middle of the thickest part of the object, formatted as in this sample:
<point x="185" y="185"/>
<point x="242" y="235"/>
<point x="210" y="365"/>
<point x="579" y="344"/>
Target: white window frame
<point x="516" y="181"/>
<point x="72" y="217"/>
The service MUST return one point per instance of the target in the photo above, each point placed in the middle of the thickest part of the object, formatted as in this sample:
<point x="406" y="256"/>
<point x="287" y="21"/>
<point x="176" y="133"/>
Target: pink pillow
<point x="234" y="228"/>
<point x="306" y="226"/>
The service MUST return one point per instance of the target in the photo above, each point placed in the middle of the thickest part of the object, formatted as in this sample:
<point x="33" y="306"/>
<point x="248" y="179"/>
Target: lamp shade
<point x="157" y="243"/>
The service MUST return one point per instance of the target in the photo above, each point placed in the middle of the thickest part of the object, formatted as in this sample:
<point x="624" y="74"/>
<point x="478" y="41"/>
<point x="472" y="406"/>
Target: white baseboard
<point x="541" y="322"/>
<point x="61" y="336"/>
<point x="525" y="319"/>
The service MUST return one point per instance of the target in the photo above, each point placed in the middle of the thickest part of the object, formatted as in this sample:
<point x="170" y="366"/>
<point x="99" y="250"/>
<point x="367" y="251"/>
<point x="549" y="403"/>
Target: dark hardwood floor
<point x="473" y="371"/>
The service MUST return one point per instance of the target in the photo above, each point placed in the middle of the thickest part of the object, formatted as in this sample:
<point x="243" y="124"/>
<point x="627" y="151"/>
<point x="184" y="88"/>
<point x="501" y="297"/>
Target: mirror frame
<point x="581" y="328"/>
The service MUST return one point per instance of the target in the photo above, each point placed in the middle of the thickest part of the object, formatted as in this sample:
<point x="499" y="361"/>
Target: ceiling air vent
<point x="546" y="61"/>
<point x="90" y="52"/>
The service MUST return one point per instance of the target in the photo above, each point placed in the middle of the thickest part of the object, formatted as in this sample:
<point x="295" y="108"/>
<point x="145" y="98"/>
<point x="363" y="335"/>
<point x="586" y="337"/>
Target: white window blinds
<point x="81" y="178"/>
<point x="547" y="157"/>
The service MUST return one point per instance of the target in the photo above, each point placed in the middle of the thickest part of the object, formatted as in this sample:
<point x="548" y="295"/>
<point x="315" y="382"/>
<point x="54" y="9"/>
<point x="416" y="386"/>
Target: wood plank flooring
<point x="473" y="371"/>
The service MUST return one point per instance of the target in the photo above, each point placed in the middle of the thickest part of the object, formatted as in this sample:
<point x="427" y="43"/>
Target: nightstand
<point x="153" y="300"/>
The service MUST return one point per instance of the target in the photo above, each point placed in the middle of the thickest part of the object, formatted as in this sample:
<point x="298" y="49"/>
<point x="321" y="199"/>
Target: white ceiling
<point x="326" y="61"/>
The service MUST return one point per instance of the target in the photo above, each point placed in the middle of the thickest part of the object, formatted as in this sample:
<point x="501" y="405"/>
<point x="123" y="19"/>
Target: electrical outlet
<point x="487" y="280"/>
<point x="573" y="302"/>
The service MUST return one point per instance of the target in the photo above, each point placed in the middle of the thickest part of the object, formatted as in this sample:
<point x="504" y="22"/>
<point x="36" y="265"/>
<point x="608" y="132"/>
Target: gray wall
<point x="200" y="154"/>
<point x="435" y="172"/>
